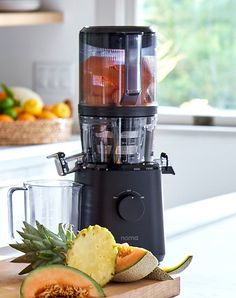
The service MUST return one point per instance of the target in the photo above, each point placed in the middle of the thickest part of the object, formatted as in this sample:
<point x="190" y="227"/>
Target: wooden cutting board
<point x="10" y="284"/>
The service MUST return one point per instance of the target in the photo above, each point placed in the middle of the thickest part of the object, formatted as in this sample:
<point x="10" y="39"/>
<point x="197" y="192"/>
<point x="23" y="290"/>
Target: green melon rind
<point x="180" y="267"/>
<point x="164" y="273"/>
<point x="98" y="288"/>
<point x="139" y="270"/>
<point x="158" y="274"/>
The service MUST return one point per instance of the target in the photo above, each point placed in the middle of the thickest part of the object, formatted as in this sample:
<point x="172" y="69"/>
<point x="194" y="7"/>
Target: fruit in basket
<point x="18" y="110"/>
<point x="6" y="103"/>
<point x="59" y="281"/>
<point x="2" y="95"/>
<point x="10" y="112"/>
<point x="133" y="263"/>
<point x="5" y="118"/>
<point x="25" y="117"/>
<point x="25" y="105"/>
<point x="47" y="115"/>
<point x="9" y="94"/>
<point x="61" y="110"/>
<point x="47" y="108"/>
<point x="70" y="105"/>
<point x="7" y="90"/>
<point x="23" y="94"/>
<point x="33" y="107"/>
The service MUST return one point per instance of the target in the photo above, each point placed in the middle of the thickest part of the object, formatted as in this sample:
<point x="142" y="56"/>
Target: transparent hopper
<point x="117" y="72"/>
<point x="117" y="68"/>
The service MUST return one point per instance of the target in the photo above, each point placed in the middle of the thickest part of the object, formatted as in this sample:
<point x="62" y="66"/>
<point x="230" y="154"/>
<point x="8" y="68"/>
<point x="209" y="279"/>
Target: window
<point x="196" y="52"/>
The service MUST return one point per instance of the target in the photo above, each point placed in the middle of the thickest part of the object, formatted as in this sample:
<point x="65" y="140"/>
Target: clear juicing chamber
<point x="117" y="93"/>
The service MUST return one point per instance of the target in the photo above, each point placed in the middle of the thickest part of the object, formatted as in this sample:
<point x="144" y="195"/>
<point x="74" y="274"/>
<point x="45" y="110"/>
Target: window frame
<point x="172" y="115"/>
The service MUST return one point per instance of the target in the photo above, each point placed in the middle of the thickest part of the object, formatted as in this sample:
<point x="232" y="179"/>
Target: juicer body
<point x="128" y="201"/>
<point x="118" y="116"/>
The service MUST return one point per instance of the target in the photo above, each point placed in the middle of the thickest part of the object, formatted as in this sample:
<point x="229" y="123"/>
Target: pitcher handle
<point x="10" y="208"/>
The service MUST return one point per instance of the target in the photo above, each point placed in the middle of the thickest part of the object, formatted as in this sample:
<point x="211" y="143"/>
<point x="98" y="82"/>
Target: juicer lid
<point x="113" y="37"/>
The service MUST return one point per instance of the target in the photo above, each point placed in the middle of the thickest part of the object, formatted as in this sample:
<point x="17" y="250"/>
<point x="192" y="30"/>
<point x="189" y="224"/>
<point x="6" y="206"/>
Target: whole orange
<point x="47" y="115"/>
<point x="18" y="110"/>
<point x="26" y="117"/>
<point x="6" y="118"/>
<point x="2" y="95"/>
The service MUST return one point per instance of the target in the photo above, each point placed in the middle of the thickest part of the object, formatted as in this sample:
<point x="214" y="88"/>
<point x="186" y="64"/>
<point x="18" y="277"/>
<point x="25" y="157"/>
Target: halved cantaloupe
<point x="128" y="256"/>
<point x="133" y="263"/>
<point x="59" y="281"/>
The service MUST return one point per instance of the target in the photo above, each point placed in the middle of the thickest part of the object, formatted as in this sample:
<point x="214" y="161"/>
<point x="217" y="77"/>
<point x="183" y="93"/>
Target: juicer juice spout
<point x="133" y="46"/>
<point x="67" y="165"/>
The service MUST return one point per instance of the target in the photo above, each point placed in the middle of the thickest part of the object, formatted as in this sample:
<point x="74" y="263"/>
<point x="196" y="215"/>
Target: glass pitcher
<point x="48" y="201"/>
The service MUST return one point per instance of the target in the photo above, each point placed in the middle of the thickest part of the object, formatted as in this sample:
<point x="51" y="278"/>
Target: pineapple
<point x="92" y="251"/>
<point x="42" y="247"/>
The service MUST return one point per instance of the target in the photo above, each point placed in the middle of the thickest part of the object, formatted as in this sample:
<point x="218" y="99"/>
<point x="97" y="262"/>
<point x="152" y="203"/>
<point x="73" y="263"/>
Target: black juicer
<point x="118" y="114"/>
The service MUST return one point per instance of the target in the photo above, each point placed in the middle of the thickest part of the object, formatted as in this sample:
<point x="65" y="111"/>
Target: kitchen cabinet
<point x="30" y="18"/>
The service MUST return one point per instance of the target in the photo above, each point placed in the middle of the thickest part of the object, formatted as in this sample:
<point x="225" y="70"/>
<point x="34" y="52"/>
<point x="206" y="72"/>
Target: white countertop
<point x="15" y="157"/>
<point x="205" y="229"/>
<point x="30" y="151"/>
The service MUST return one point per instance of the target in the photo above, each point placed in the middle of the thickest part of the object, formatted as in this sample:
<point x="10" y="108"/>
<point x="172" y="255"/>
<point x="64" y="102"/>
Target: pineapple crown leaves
<point x="41" y="246"/>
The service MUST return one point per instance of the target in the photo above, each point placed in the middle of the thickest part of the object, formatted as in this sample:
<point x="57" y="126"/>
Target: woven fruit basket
<point x="35" y="132"/>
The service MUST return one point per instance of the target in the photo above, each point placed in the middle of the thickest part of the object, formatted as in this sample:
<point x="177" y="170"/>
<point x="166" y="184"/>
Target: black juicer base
<point x="126" y="201"/>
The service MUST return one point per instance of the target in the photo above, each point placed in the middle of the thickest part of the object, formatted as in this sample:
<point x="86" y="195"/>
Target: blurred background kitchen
<point x="196" y="91"/>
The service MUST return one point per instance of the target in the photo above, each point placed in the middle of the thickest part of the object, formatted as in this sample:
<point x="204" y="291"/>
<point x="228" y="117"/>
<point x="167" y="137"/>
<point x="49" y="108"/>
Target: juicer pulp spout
<point x="165" y="166"/>
<point x="67" y="165"/>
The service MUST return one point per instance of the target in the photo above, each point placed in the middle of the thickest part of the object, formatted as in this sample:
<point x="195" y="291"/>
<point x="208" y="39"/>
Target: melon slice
<point x="179" y="267"/>
<point x="59" y="281"/>
<point x="133" y="263"/>
<point x="164" y="273"/>
<point x="158" y="274"/>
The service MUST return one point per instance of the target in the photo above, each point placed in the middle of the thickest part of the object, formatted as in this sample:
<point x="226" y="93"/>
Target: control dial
<point x="131" y="206"/>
